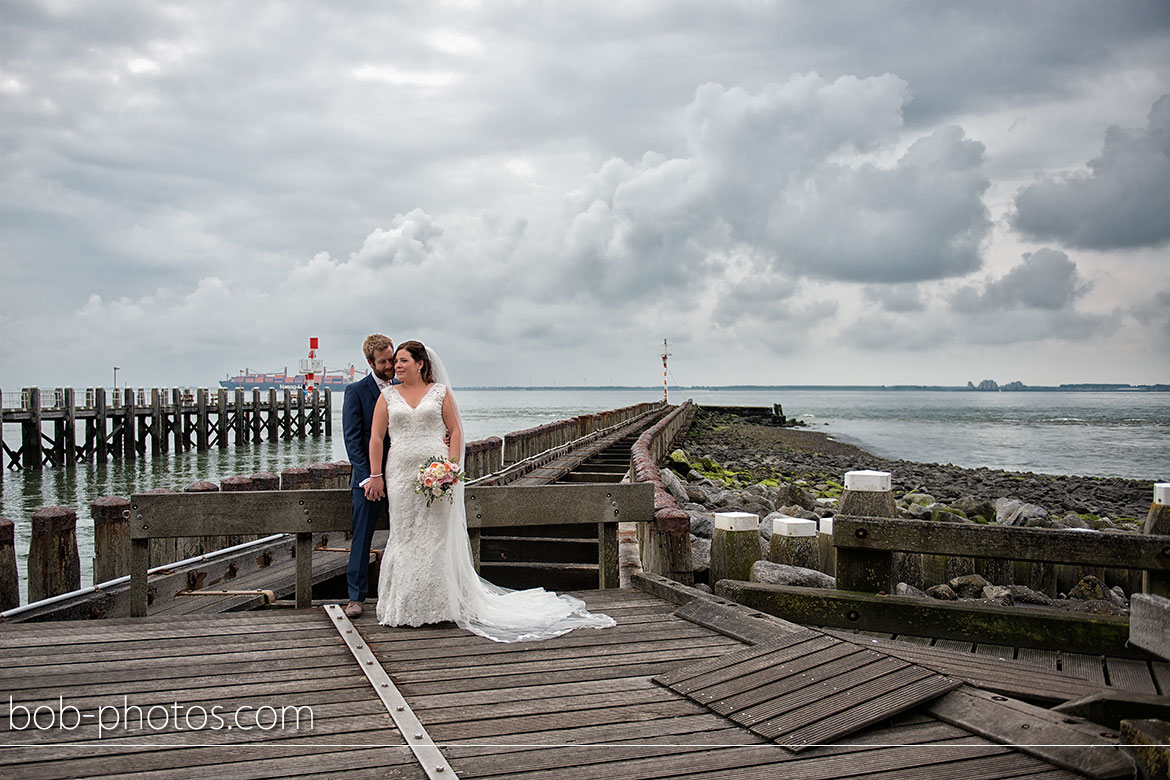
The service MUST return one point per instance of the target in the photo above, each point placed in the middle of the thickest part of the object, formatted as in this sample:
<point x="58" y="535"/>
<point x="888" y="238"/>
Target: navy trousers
<point x="365" y="517"/>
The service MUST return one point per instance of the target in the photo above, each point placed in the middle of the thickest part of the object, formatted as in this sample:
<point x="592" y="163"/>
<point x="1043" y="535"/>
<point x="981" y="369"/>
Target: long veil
<point x="489" y="610"/>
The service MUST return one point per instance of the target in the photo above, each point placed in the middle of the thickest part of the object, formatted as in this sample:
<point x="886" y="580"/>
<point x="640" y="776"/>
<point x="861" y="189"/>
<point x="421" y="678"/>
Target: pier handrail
<point x="865" y="547"/>
<point x="305" y="512"/>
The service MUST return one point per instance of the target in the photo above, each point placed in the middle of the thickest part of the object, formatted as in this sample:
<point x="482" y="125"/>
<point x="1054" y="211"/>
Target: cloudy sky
<point x="790" y="192"/>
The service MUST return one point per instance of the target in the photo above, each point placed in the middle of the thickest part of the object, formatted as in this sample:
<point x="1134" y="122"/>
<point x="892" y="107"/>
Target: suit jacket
<point x="357" y="415"/>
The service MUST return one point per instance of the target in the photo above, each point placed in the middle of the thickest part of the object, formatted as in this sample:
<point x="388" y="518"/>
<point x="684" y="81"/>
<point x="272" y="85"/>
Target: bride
<point x="427" y="575"/>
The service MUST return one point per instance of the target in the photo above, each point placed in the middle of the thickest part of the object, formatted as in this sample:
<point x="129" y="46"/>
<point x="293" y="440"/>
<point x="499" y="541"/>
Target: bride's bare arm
<point x="451" y="420"/>
<point x="376" y="487"/>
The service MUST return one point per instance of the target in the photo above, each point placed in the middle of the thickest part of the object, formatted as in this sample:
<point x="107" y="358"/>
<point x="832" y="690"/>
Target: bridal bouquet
<point x="437" y="478"/>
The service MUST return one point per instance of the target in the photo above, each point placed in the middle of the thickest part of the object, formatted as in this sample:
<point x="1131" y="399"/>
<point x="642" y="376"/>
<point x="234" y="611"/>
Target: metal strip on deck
<point x="802" y="691"/>
<point x="417" y="739"/>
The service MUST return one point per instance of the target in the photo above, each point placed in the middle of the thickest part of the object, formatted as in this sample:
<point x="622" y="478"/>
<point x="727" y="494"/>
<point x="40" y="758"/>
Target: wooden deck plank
<point x="1130" y="675"/>
<point x="954" y="644"/>
<point x="1087" y="667"/>
<point x="1045" y="659"/>
<point x="1002" y="652"/>
<point x="1161" y="671"/>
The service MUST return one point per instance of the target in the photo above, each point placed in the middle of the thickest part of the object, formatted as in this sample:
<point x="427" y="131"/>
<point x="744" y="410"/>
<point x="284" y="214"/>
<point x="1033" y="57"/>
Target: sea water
<point x="1122" y="434"/>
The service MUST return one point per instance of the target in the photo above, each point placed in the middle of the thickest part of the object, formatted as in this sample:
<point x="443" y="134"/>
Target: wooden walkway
<point x="581" y="706"/>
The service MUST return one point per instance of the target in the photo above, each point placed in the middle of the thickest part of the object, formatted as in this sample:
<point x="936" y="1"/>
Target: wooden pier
<point x="291" y="694"/>
<point x="63" y="428"/>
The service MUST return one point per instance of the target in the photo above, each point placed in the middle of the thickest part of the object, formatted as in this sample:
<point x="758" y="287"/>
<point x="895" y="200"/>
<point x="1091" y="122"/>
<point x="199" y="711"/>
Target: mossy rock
<point x="679" y="463"/>
<point x="945" y="514"/>
<point x="980" y="519"/>
<point x="915" y="497"/>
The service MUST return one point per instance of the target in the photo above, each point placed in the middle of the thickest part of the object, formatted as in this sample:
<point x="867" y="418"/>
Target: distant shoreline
<point x="1068" y="388"/>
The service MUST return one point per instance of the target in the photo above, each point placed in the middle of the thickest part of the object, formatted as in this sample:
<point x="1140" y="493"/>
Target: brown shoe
<point x="353" y="609"/>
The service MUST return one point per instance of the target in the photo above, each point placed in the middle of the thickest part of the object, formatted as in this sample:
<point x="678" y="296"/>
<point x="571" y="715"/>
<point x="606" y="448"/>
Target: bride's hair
<point x="419" y="353"/>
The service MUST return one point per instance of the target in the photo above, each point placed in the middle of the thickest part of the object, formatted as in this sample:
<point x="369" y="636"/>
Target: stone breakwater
<point x="751" y="454"/>
<point x="727" y="465"/>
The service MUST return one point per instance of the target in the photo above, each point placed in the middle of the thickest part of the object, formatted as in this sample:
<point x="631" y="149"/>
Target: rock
<point x="1022" y="594"/>
<point x="998" y="594"/>
<point x="1011" y="511"/>
<point x="1089" y="588"/>
<point x="702" y="586"/>
<point x="679" y="462"/>
<point x="919" y="511"/>
<point x="1073" y="520"/>
<point x="700" y="554"/>
<point x="697" y="494"/>
<point x="942" y="592"/>
<point x="782" y="574"/>
<point x="702" y="524"/>
<point x="674" y="485"/>
<point x="914" y="497"/>
<point x="968" y="586"/>
<point x="798" y="511"/>
<point x="1094" y="607"/>
<point x="971" y="506"/>
<point x="758" y="506"/>
<point x="789" y="494"/>
<point x="766" y="524"/>
<point x="1118" y="596"/>
<point x="906" y="589"/>
<point x="944" y="514"/>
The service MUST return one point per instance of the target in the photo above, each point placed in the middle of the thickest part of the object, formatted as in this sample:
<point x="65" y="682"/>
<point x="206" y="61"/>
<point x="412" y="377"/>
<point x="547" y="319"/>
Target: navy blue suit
<point x="357" y="415"/>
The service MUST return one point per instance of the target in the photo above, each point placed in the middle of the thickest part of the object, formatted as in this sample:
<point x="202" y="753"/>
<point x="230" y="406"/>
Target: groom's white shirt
<point x="382" y="385"/>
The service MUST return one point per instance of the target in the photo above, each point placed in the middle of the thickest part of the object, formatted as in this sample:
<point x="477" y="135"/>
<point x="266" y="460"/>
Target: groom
<point x="357" y="413"/>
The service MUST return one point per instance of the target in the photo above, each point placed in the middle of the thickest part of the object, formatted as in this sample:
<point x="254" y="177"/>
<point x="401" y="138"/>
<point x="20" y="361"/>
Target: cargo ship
<point x="312" y="374"/>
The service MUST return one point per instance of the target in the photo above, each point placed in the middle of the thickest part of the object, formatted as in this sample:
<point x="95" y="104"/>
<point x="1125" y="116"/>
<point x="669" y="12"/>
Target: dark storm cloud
<point x="1123" y="201"/>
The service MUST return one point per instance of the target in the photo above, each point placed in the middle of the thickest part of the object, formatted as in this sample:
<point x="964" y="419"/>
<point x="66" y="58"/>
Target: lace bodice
<point x="414" y="431"/>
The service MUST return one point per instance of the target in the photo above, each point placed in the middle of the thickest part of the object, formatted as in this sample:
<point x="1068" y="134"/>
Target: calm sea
<point x="1099" y="434"/>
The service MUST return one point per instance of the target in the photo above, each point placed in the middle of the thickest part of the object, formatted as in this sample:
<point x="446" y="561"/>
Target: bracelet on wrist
<point x="374" y="475"/>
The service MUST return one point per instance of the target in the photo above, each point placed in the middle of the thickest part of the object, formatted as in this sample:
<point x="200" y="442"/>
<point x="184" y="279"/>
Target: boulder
<point x="1022" y="594"/>
<point x="998" y="594"/>
<point x="758" y="506"/>
<point x="906" y="589"/>
<point x="971" y="506"/>
<point x="789" y="494"/>
<point x="795" y="510"/>
<point x="782" y="574"/>
<point x="702" y="524"/>
<point x="674" y="486"/>
<point x="968" y="586"/>
<point x="700" y="554"/>
<point x="914" y="497"/>
<point x="920" y="511"/>
<point x="679" y="462"/>
<point x="1072" y="520"/>
<point x="1088" y="589"/>
<point x="1012" y="511"/>
<point x="945" y="514"/>
<point x="942" y="592"/>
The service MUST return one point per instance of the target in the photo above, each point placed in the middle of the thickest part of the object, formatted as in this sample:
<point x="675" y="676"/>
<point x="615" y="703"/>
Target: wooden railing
<point x="866" y="546"/>
<point x="305" y="512"/>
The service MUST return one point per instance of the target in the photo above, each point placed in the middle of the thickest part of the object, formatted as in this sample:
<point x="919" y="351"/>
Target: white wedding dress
<point x="427" y="575"/>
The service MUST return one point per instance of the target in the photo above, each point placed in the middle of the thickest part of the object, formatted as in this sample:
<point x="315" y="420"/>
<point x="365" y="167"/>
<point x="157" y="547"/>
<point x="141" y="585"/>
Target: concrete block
<point x="793" y="526"/>
<point x="737" y="521"/>
<point x="867" y="480"/>
<point x="1162" y="493"/>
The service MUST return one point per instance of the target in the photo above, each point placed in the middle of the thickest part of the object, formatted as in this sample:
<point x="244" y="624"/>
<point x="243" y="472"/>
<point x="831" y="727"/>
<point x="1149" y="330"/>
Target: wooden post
<point x="202" y="434"/>
<point x="328" y="412"/>
<point x="870" y="494"/>
<point x="265" y="480"/>
<point x="69" y="432"/>
<point x="54" y="566"/>
<point x="301" y="428"/>
<point x="735" y="546"/>
<point x="235" y="485"/>
<point x="156" y="427"/>
<point x="794" y="543"/>
<point x="221" y="425"/>
<point x="288" y="429"/>
<point x="607" y="556"/>
<point x="129" y="427"/>
<point x="1158" y="522"/>
<point x="9" y="580"/>
<point x="99" y="419"/>
<point x="30" y="445"/>
<point x="257" y="420"/>
<point x="111" y="538"/>
<point x="273" y="416"/>
<point x="241" y="419"/>
<point x="295" y="478"/>
<point x="666" y="546"/>
<point x="300" y="479"/>
<point x="177" y="420"/>
<point x="826" y="552"/>
<point x="322" y="476"/>
<point x="315" y="417"/>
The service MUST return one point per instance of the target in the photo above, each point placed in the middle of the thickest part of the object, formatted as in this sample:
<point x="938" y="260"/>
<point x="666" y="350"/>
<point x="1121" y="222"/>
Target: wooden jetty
<point x="137" y="423"/>
<point x="668" y="693"/>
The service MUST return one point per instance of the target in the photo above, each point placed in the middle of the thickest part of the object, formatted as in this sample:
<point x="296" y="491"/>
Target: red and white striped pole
<point x="310" y="375"/>
<point x="665" y="355"/>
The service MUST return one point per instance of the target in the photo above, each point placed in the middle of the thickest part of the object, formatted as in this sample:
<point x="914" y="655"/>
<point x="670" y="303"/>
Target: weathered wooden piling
<point x="295" y="478"/>
<point x="54" y="566"/>
<point x="1158" y="522"/>
<point x="826" y="552"/>
<point x="111" y="538"/>
<point x="735" y="545"/>
<point x="794" y="542"/>
<point x="9" y="579"/>
<point x="322" y="476"/>
<point x="266" y="480"/>
<point x="870" y="494"/>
